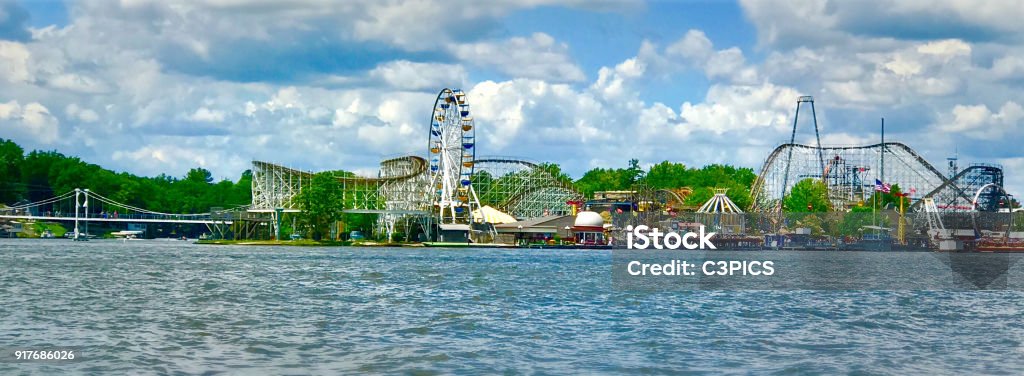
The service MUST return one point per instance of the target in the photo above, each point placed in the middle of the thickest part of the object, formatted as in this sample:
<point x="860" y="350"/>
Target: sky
<point x="153" y="87"/>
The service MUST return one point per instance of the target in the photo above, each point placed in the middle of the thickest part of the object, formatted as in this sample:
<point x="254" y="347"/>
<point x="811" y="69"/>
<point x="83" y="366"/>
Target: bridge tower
<point x="79" y="193"/>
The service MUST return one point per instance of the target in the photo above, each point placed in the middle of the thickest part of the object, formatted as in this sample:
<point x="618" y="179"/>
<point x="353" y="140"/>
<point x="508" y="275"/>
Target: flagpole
<point x="882" y="172"/>
<point x="874" y="216"/>
<point x="901" y="233"/>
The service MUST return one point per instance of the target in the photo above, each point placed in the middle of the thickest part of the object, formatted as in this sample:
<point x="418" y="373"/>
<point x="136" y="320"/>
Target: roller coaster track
<point x="680" y="199"/>
<point x="419" y="167"/>
<point x="275" y="186"/>
<point x="551" y="183"/>
<point x="951" y="183"/>
<point x="758" y="185"/>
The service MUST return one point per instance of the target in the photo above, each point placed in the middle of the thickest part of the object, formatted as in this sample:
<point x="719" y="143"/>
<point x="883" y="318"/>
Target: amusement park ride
<point x="452" y="145"/>
<point x="973" y="197"/>
<point x="446" y="189"/>
<point x="449" y="186"/>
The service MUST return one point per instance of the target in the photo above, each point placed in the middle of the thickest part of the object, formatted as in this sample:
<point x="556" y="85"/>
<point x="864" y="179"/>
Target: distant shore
<point x="308" y="243"/>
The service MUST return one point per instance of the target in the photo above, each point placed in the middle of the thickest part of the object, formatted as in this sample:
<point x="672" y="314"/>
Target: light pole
<point x="86" y="206"/>
<point x="519" y="235"/>
<point x="78" y="192"/>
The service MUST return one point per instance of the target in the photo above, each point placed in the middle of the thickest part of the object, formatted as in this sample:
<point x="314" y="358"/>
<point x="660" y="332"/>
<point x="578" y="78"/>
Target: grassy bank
<point x="308" y="243"/>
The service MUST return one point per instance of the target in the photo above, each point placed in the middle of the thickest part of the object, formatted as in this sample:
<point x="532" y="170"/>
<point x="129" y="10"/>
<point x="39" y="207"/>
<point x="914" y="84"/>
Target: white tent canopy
<point x="492" y="215"/>
<point x="719" y="203"/>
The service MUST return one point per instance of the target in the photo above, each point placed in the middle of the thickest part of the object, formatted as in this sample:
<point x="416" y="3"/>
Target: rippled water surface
<point x="169" y="307"/>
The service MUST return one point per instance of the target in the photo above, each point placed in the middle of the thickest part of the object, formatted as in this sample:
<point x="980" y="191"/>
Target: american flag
<point x="880" y="187"/>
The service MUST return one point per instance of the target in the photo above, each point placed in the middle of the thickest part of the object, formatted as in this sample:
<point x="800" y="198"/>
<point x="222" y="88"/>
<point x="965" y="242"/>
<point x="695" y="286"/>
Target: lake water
<point x="169" y="307"/>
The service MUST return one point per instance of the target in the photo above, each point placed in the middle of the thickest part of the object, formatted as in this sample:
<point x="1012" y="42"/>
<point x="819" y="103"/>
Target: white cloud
<point x="163" y="158"/>
<point x="348" y="116"/>
<point x="10" y="110"/>
<point x="405" y="23"/>
<point x="1008" y="67"/>
<point x="824" y="22"/>
<point x="32" y="120"/>
<point x="77" y="82"/>
<point x="285" y="99"/>
<point x="14" y="62"/>
<point x="538" y="56"/>
<point x="866" y="76"/>
<point x="735" y="108"/>
<point x="85" y="115"/>
<point x="612" y="83"/>
<point x="979" y="120"/>
<point x="1012" y="182"/>
<point x="408" y="75"/>
<point x="947" y="48"/>
<point x="204" y="114"/>
<point x="694" y="47"/>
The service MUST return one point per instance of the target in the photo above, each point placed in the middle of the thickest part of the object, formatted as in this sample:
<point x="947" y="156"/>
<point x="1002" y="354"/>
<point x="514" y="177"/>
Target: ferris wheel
<point x="452" y="145"/>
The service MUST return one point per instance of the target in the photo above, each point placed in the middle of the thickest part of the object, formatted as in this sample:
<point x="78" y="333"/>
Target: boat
<point x="47" y="234"/>
<point x="81" y="236"/>
<point x="127" y="235"/>
<point x="1000" y="244"/>
<point x="568" y="246"/>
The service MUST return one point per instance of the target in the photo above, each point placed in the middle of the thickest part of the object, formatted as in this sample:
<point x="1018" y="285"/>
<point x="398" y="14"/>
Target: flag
<point x="880" y="187"/>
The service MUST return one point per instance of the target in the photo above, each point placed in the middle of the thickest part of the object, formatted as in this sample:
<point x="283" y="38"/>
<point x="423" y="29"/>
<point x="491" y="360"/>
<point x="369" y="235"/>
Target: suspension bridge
<point x="83" y="205"/>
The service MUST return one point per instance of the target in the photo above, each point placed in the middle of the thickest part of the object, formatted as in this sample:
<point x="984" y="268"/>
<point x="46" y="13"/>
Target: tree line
<point x="673" y="175"/>
<point x="39" y="175"/>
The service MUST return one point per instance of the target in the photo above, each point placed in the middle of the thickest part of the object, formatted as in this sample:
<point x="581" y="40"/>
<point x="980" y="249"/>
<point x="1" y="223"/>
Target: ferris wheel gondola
<point x="452" y="147"/>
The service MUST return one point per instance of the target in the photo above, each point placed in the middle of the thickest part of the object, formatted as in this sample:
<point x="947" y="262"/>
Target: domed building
<point x="588" y="229"/>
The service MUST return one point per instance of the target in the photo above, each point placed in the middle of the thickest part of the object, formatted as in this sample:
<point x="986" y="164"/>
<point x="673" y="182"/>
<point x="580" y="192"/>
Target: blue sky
<point x="155" y="87"/>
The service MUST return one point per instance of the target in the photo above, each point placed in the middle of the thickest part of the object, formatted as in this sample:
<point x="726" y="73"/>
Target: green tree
<point x="699" y="196"/>
<point x="703" y="181"/>
<point x="322" y="203"/>
<point x="11" y="158"/>
<point x="39" y="175"/>
<point x="199" y="175"/>
<point x="634" y="173"/>
<point x="610" y="179"/>
<point x="556" y="171"/>
<point x="882" y="200"/>
<point x="360" y="222"/>
<point x="857" y="218"/>
<point x="35" y="174"/>
<point x="241" y="193"/>
<point x="668" y="175"/>
<point x="808" y="195"/>
<point x="812" y="221"/>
